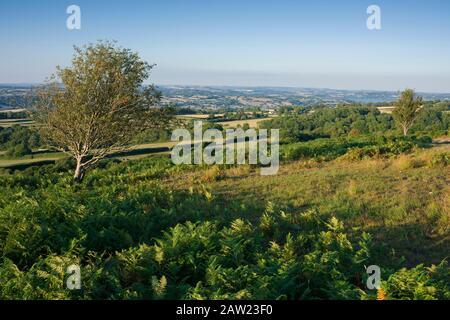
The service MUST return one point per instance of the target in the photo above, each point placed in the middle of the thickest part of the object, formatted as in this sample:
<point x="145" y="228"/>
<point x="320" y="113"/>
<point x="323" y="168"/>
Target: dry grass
<point x="405" y="162"/>
<point x="402" y="202"/>
<point x="239" y="171"/>
<point x="193" y="116"/>
<point x="253" y="123"/>
<point x="212" y="174"/>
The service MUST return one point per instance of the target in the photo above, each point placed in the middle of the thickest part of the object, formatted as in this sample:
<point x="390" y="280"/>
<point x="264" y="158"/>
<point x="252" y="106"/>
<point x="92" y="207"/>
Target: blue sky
<point x="248" y="42"/>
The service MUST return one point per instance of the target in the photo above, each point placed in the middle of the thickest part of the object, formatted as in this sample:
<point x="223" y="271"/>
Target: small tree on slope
<point x="407" y="109"/>
<point x="94" y="107"/>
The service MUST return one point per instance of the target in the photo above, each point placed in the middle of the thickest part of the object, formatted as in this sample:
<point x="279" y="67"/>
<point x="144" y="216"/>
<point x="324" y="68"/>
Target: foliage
<point x="90" y="124"/>
<point x="354" y="121"/>
<point x="330" y="122"/>
<point x="407" y="109"/>
<point x="135" y="238"/>
<point x="354" y="148"/>
<point x="19" y="141"/>
<point x="420" y="283"/>
<point x="440" y="159"/>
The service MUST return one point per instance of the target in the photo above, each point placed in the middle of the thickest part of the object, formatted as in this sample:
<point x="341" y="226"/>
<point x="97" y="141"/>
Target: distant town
<point x="211" y="97"/>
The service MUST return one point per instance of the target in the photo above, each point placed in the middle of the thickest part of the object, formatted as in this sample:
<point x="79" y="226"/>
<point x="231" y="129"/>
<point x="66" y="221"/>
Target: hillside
<point x="149" y="229"/>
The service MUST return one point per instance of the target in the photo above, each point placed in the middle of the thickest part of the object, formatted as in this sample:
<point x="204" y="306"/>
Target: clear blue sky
<point x="247" y="42"/>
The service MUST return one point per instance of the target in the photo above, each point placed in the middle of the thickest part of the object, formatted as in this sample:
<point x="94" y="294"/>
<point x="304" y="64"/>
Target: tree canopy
<point x="407" y="109"/>
<point x="98" y="104"/>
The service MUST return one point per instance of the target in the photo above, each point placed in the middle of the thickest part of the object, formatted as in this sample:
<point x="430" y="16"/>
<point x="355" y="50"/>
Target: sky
<point x="295" y="43"/>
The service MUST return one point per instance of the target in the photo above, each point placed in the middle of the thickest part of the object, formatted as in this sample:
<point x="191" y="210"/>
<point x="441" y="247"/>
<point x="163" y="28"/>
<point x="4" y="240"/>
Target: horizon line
<point x="30" y="84"/>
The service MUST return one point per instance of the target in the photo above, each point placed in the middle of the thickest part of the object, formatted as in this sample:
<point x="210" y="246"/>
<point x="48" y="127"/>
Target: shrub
<point x="419" y="283"/>
<point x="404" y="162"/>
<point x="212" y="174"/>
<point x="424" y="140"/>
<point x="440" y="159"/>
<point x="19" y="150"/>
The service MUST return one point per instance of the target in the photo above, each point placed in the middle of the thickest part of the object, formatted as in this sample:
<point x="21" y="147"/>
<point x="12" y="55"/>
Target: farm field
<point x="6" y="162"/>
<point x="193" y="116"/>
<point x="11" y="122"/>
<point x="253" y="123"/>
<point x="136" y="152"/>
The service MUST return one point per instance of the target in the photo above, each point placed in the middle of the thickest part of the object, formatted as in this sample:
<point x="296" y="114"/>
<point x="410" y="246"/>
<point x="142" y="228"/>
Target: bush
<point x="424" y="140"/>
<point x="404" y="162"/>
<point x="353" y="148"/>
<point x="441" y="159"/>
<point x="419" y="283"/>
<point x="212" y="174"/>
<point x="19" y="150"/>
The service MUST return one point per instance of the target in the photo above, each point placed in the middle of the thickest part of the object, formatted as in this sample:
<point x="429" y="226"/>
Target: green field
<point x="136" y="152"/>
<point x="12" y="122"/>
<point x="146" y="229"/>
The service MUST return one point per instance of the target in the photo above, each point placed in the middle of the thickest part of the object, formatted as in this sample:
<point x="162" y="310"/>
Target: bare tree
<point x="97" y="105"/>
<point x="407" y="109"/>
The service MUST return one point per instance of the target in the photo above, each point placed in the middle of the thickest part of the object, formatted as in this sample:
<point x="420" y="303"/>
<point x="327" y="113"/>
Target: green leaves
<point x="136" y="239"/>
<point x="419" y="283"/>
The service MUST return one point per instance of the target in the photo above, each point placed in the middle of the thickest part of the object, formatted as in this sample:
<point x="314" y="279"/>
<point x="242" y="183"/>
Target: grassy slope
<point x="404" y="207"/>
<point x="402" y="202"/>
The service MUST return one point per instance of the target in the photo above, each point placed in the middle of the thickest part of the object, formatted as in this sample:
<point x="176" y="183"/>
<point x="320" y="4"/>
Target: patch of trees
<point x="299" y="124"/>
<point x="434" y="118"/>
<point x="152" y="136"/>
<point x="17" y="100"/>
<point x="330" y="122"/>
<point x="18" y="141"/>
<point x="13" y="115"/>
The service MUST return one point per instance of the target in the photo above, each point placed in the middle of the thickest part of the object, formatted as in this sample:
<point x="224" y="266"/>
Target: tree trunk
<point x="405" y="130"/>
<point x="79" y="172"/>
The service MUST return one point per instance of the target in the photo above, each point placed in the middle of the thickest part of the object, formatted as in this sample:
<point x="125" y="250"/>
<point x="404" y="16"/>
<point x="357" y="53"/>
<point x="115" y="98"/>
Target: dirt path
<point x="441" y="142"/>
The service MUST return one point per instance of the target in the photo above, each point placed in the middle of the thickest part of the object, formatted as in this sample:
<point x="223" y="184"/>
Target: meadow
<point x="147" y="229"/>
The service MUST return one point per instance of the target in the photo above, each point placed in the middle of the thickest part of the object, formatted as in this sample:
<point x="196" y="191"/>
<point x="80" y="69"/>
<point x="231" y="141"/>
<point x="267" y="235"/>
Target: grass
<point x="222" y="233"/>
<point x="403" y="202"/>
<point x="40" y="158"/>
<point x="193" y="116"/>
<point x="12" y="122"/>
<point x="36" y="159"/>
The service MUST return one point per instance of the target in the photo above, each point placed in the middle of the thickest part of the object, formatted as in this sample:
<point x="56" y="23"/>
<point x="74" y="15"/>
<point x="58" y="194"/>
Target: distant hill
<point x="272" y="97"/>
<point x="216" y="97"/>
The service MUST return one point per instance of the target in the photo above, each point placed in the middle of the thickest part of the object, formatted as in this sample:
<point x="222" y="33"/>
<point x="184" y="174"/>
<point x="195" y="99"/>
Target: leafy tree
<point x="407" y="109"/>
<point x="330" y="122"/>
<point x="18" y="141"/>
<point x="19" y="150"/>
<point x="100" y="106"/>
